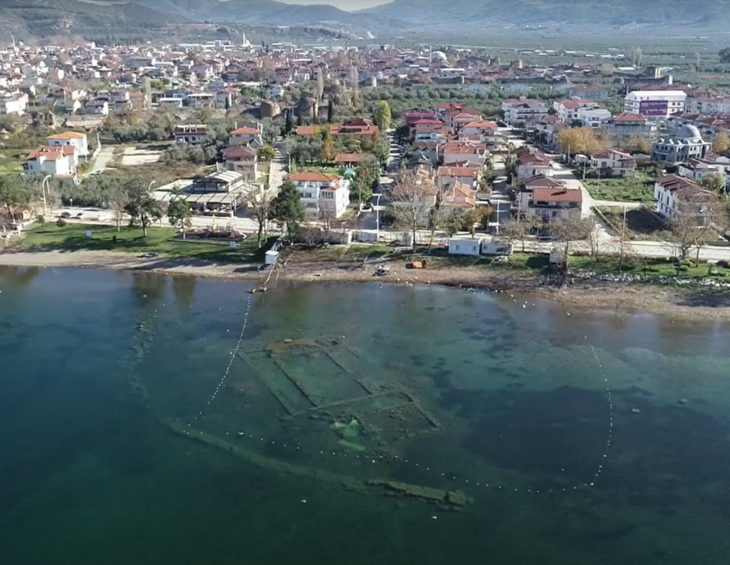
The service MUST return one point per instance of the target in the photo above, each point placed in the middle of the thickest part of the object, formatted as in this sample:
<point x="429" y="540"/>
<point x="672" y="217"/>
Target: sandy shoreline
<point x="685" y="303"/>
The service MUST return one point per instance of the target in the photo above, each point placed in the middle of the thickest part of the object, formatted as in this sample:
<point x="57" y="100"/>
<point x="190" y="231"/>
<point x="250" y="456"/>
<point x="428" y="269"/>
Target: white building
<point x="674" y="194"/>
<point x="655" y="103"/>
<point x="14" y="104"/>
<point x="594" y="117"/>
<point x="59" y="161"/>
<point x="522" y="110"/>
<point x="71" y="138"/>
<point x="686" y="144"/>
<point x="322" y="194"/>
<point x="191" y="134"/>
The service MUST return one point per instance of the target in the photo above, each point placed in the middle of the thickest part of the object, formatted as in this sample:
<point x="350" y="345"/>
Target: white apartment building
<point x="322" y="193"/>
<point x="655" y="103"/>
<point x="522" y="110"/>
<point x="674" y="194"/>
<point x="594" y="117"/>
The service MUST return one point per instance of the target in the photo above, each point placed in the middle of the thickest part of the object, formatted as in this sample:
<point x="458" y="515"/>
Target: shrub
<point x="41" y="219"/>
<point x="60" y="222"/>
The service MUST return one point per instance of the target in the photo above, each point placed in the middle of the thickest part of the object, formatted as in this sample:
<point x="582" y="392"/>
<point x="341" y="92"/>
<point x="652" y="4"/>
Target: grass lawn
<point x="645" y="266"/>
<point x="637" y="189"/>
<point x="72" y="237"/>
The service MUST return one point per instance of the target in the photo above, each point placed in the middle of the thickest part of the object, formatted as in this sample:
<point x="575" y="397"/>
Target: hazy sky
<point x="342" y="4"/>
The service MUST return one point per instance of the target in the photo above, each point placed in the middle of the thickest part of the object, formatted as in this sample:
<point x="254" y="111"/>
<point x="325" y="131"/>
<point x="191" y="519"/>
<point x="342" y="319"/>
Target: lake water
<point x="352" y="424"/>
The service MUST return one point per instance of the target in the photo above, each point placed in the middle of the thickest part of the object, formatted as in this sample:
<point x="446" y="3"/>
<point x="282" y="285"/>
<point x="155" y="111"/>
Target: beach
<point x="686" y="302"/>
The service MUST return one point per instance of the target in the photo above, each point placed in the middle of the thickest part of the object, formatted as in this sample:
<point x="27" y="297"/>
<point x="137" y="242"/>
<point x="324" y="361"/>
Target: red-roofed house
<point x="458" y="195"/>
<point x="478" y="129"/>
<point x="466" y="175"/>
<point x="464" y="152"/>
<point x="243" y="160"/>
<point x="614" y="163"/>
<point x="549" y="199"/>
<point x="322" y="194"/>
<point x="74" y="138"/>
<point x="56" y="161"/>
<point x="247" y="135"/>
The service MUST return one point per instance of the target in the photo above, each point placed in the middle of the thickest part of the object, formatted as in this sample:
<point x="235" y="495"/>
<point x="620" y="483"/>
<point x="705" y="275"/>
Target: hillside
<point x="47" y="18"/>
<point x="470" y="14"/>
<point x="255" y="12"/>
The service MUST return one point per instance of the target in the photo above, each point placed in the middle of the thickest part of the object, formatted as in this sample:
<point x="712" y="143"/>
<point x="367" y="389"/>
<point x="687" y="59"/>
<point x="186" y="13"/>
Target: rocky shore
<point x="671" y="298"/>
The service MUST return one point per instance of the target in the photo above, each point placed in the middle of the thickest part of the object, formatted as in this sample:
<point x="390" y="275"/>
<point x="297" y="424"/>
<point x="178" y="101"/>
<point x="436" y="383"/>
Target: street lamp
<point x="43" y="190"/>
<point x="377" y="216"/>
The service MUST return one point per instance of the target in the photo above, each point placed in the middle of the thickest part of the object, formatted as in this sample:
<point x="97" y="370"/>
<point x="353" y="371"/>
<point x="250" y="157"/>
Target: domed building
<point x="686" y="144"/>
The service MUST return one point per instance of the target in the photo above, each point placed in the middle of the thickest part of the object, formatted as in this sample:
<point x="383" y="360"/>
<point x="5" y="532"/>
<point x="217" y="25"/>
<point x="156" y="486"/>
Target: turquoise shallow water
<point x="334" y="387"/>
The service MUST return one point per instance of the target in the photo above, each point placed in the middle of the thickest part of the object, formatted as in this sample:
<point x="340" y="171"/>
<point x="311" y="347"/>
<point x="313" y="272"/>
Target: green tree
<point x="266" y="153"/>
<point x="327" y="154"/>
<point x="725" y="55"/>
<point x="287" y="208"/>
<point x="14" y="194"/>
<point x="142" y="208"/>
<point x="383" y="115"/>
<point x="179" y="213"/>
<point x="330" y="111"/>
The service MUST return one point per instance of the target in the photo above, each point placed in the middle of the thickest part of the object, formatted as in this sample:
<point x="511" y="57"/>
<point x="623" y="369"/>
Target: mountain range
<point x="48" y="17"/>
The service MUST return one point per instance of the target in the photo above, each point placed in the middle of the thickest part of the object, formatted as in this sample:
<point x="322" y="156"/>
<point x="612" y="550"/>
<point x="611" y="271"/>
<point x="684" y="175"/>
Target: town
<point x="438" y="150"/>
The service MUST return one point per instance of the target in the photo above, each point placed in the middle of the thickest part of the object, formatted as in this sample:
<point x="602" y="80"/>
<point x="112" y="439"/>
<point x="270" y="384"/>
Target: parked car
<point x="65" y="214"/>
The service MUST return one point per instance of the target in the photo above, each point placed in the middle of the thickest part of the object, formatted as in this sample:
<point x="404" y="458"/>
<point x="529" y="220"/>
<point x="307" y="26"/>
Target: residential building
<point x="593" y="117"/>
<point x="57" y="161"/>
<point x="71" y="138"/>
<point x="521" y="110"/>
<point x="699" y="169"/>
<point x="97" y="107"/>
<point x="548" y="199"/>
<point x="464" y="152"/>
<point x="686" y="144"/>
<point x="322" y="194"/>
<point x="567" y="109"/>
<point x="675" y="195"/>
<point x="13" y="104"/>
<point x="532" y="162"/>
<point x="627" y="124"/>
<point x="458" y="195"/>
<point x="655" y="104"/>
<point x="243" y="160"/>
<point x="247" y="135"/>
<point x="614" y="163"/>
<point x="478" y="130"/>
<point x="468" y="175"/>
<point x="192" y="134"/>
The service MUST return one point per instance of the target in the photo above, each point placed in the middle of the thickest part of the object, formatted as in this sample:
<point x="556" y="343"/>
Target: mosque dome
<point x="688" y="132"/>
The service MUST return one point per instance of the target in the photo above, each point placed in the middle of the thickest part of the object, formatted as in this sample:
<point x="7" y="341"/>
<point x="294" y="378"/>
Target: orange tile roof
<point x="68" y="135"/>
<point x="313" y="176"/>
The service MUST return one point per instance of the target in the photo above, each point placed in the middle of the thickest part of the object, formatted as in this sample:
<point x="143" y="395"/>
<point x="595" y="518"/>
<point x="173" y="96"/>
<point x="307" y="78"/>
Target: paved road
<point x="102" y="159"/>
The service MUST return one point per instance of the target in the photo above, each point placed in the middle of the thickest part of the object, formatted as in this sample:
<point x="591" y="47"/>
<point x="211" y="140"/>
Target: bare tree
<point x="518" y="228"/>
<point x="695" y="217"/>
<point x="326" y="217"/>
<point x="435" y="218"/>
<point x="568" y="230"/>
<point x="259" y="204"/>
<point x="413" y="198"/>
